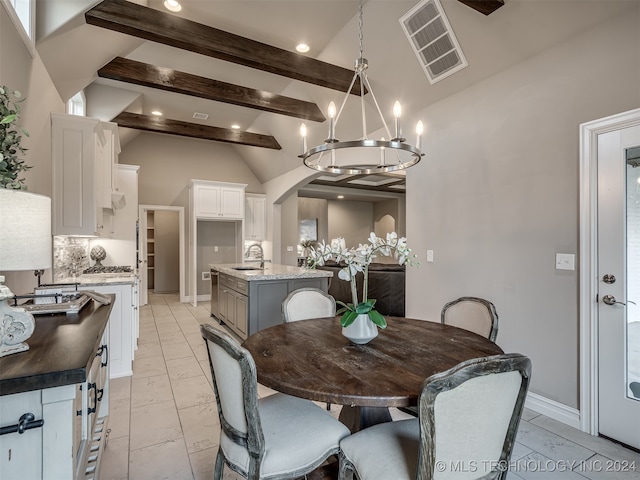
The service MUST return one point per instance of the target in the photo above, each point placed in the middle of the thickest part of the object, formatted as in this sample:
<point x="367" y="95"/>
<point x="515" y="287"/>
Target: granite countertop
<point x="101" y="279"/>
<point x="270" y="272"/>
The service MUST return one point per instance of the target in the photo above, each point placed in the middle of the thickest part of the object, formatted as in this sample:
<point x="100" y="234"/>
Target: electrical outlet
<point x="206" y="275"/>
<point x="215" y="249"/>
<point x="289" y="248"/>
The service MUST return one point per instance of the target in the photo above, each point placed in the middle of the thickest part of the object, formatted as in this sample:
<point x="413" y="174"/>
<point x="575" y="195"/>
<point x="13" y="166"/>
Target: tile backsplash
<point x="70" y="256"/>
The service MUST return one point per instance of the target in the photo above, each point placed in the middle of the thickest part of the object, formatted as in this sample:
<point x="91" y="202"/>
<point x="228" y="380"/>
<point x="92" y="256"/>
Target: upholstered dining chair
<point x="471" y="313"/>
<point x="273" y="438"/>
<point x="306" y="303"/>
<point x="469" y="416"/>
<point x="474" y="314"/>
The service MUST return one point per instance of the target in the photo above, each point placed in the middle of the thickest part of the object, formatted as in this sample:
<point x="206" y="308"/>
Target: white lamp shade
<point x="25" y="231"/>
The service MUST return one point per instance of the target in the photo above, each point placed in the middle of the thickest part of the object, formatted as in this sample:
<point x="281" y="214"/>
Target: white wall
<point x="289" y="231"/>
<point x="315" y="208"/>
<point x="168" y="162"/>
<point x="496" y="196"/>
<point x="352" y="221"/>
<point x="19" y="71"/>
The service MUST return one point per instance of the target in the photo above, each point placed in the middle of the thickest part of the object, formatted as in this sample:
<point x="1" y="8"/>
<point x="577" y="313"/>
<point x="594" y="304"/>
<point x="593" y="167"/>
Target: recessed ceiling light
<point x="302" y="48"/>
<point x="340" y="197"/>
<point x="157" y="113"/>
<point x="235" y="126"/>
<point x="172" y="5"/>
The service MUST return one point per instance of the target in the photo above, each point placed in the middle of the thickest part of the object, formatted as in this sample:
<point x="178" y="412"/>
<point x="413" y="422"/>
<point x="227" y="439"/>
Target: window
<point x="23" y="14"/>
<point x="77" y="104"/>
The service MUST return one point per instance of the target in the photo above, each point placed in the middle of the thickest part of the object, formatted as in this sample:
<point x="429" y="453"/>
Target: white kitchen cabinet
<point x="123" y="326"/>
<point x="255" y="221"/>
<point x="70" y="442"/>
<point x="212" y="201"/>
<point x="124" y="221"/>
<point x="218" y="200"/>
<point x="83" y="154"/>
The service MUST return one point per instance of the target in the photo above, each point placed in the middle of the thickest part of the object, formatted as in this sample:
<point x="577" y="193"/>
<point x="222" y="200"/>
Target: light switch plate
<point x="565" y="261"/>
<point x="206" y="275"/>
<point x="289" y="248"/>
<point x="430" y="256"/>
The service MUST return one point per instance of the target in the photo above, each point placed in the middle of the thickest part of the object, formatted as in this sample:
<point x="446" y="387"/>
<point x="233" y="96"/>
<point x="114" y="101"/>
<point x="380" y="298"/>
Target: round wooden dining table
<point x="312" y="359"/>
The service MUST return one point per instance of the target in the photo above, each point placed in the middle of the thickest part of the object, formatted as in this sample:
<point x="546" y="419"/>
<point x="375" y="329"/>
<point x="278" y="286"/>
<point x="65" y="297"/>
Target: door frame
<point x="589" y="418"/>
<point x="143" y="209"/>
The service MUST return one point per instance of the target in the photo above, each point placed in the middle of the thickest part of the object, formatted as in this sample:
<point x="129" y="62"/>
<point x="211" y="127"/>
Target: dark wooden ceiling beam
<point x="187" y="129"/>
<point x="484" y="6"/>
<point x="150" y="24"/>
<point x="163" y="78"/>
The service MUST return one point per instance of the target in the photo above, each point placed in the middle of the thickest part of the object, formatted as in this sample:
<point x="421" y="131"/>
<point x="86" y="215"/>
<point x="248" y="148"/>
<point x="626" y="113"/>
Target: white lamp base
<point x="16" y="325"/>
<point x="9" y="349"/>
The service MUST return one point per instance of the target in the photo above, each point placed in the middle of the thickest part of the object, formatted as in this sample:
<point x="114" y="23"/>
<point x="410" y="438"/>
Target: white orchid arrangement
<point x="358" y="260"/>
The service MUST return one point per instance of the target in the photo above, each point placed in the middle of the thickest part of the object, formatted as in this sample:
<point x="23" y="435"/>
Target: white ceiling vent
<point x="200" y="116"/>
<point x="433" y="40"/>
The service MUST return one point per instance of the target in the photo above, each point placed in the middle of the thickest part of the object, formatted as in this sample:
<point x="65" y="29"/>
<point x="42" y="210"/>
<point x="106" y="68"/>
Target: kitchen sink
<point x="247" y="268"/>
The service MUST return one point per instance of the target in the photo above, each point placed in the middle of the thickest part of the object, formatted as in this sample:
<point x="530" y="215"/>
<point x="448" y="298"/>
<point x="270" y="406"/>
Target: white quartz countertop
<point x="270" y="271"/>
<point x="101" y="279"/>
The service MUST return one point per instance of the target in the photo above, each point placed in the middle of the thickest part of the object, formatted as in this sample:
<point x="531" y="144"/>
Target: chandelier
<point x="360" y="156"/>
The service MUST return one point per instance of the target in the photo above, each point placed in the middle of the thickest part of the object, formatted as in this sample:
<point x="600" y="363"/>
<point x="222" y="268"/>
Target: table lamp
<point x="25" y="244"/>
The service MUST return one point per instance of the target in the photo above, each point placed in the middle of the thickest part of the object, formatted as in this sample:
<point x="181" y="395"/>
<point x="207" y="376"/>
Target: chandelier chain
<point x="360" y="35"/>
<point x="352" y="164"/>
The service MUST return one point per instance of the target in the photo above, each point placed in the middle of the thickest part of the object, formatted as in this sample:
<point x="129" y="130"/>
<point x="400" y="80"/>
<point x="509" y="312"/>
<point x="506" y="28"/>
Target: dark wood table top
<point x="61" y="350"/>
<point x="312" y="359"/>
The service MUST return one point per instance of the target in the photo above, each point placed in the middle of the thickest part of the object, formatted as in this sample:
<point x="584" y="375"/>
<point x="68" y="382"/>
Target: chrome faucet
<point x="247" y="254"/>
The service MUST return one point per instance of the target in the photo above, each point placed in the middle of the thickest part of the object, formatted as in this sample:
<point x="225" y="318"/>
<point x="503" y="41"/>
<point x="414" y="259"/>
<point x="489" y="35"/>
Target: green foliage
<point x="350" y="313"/>
<point x="11" y="165"/>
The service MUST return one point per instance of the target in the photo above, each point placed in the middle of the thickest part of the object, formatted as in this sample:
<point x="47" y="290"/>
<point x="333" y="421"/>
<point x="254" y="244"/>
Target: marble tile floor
<point x="164" y="425"/>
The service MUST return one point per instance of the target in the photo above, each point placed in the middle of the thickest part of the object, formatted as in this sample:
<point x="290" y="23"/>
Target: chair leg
<point x="219" y="468"/>
<point x="328" y="407"/>
<point x="345" y="469"/>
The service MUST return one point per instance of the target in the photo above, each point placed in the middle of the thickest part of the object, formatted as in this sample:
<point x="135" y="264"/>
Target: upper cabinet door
<point x="207" y="201"/>
<point x="255" y="217"/>
<point x="232" y="202"/>
<point x="81" y="176"/>
<point x="218" y="200"/>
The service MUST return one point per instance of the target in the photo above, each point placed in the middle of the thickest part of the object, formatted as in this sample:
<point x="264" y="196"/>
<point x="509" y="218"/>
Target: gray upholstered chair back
<point x="278" y="437"/>
<point x="236" y="388"/>
<point x="474" y="314"/>
<point x="466" y="429"/>
<point x="306" y="303"/>
<point x="471" y="414"/>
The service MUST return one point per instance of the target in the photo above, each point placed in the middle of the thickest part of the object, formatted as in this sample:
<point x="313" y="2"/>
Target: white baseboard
<point x="204" y="298"/>
<point x="552" y="409"/>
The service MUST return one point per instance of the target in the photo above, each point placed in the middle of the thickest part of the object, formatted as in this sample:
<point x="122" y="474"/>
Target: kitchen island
<point x="250" y="298"/>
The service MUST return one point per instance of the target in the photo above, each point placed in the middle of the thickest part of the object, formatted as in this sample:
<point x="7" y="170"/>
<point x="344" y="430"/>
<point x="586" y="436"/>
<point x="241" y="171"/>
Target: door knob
<point x="611" y="300"/>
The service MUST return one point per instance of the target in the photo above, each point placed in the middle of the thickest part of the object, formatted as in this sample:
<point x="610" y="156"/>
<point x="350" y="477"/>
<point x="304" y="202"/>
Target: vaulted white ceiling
<point x="73" y="52"/>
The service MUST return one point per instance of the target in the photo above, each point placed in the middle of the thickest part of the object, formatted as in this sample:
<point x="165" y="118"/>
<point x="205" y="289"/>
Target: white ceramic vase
<point x="361" y="331"/>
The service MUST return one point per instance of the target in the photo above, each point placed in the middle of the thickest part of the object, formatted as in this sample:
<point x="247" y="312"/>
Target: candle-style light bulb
<point x="419" y="129"/>
<point x="332" y="120"/>
<point x="397" y="112"/>
<point x="303" y="134"/>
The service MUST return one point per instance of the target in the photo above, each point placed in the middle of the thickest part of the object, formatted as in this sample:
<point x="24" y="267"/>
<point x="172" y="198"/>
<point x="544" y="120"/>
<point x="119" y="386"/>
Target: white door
<point x="618" y="237"/>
